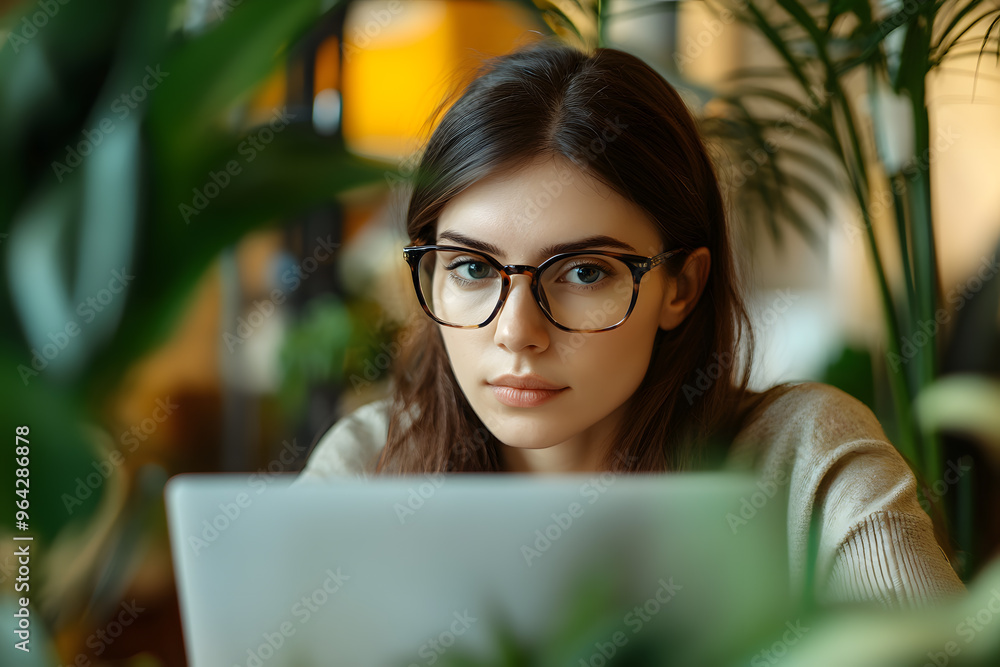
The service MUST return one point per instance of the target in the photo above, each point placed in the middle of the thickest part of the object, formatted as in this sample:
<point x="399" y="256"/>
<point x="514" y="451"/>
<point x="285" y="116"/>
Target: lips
<point x="524" y="398"/>
<point x="524" y="391"/>
<point x="525" y="382"/>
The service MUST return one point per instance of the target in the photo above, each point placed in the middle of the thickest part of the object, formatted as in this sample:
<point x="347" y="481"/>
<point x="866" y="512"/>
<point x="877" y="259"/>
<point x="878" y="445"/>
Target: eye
<point x="468" y="268"/>
<point x="477" y="270"/>
<point x="586" y="271"/>
<point x="586" y="274"/>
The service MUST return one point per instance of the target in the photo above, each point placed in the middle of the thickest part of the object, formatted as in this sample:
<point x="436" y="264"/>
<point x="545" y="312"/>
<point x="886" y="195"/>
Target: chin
<point x="528" y="436"/>
<point x="527" y="444"/>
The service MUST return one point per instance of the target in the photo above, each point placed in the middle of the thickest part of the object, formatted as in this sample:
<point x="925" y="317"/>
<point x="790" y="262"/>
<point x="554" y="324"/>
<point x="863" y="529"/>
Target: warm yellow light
<point x="401" y="58"/>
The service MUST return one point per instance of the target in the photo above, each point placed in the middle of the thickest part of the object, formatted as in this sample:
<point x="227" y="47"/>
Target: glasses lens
<point x="581" y="292"/>
<point x="460" y="288"/>
<point x="587" y="291"/>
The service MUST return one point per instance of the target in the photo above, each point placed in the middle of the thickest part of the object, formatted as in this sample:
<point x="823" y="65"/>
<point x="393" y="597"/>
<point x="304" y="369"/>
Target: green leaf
<point x="813" y="162"/>
<point x="860" y="8"/>
<point x="65" y="480"/>
<point x="964" y="403"/>
<point x="48" y="82"/>
<point x="939" y="49"/>
<point x="294" y="173"/>
<point x="913" y="62"/>
<point x="795" y="66"/>
<point x="817" y="116"/>
<point x="214" y="70"/>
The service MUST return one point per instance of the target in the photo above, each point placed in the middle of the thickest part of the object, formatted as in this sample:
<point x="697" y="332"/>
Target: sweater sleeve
<point x="873" y="541"/>
<point x="352" y="446"/>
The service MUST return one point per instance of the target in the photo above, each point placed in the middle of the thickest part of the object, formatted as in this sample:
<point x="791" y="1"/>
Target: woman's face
<point x="520" y="213"/>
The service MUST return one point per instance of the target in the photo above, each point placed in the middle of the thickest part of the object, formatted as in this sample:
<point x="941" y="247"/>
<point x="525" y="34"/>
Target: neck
<point x="583" y="452"/>
<point x="563" y="458"/>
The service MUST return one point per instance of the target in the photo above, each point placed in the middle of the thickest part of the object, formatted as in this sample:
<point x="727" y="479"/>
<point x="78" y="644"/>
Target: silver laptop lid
<point x="426" y="570"/>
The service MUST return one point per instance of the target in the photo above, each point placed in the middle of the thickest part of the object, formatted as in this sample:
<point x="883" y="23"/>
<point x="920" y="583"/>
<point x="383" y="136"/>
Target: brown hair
<point x="619" y="121"/>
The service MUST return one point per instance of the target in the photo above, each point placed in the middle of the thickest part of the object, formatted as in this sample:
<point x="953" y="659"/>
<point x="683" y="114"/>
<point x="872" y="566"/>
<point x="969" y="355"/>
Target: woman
<point x="570" y="249"/>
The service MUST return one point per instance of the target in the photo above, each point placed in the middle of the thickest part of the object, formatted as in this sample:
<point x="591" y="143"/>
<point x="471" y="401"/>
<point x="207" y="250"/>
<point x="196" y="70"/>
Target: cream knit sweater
<point x="825" y="450"/>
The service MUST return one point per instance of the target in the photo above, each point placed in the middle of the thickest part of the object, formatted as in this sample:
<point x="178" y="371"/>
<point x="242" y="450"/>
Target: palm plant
<point x="895" y="52"/>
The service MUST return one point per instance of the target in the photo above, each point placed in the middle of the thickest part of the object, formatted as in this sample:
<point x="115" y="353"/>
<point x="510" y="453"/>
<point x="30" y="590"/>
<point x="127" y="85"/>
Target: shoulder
<point x="813" y="437"/>
<point x="808" y="418"/>
<point x="352" y="446"/>
<point x="841" y="474"/>
<point x="822" y="442"/>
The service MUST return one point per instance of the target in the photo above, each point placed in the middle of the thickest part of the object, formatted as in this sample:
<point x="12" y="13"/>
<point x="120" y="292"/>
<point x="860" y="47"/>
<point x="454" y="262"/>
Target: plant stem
<point x="924" y="258"/>
<point x="906" y="439"/>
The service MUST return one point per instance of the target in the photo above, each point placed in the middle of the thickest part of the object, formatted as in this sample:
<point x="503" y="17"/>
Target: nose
<point x="521" y="324"/>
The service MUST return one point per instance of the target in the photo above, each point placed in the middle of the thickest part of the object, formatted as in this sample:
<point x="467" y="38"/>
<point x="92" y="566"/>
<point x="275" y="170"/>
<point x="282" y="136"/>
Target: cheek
<point x="612" y="363"/>
<point x="462" y="348"/>
<point x="617" y="356"/>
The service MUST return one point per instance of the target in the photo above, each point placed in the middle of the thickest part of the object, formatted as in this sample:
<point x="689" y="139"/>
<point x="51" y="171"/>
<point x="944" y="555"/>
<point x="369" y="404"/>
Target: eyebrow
<point x="548" y="251"/>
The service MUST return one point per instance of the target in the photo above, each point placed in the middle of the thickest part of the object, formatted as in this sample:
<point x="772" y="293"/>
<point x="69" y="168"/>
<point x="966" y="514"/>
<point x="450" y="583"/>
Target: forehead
<point x="546" y="203"/>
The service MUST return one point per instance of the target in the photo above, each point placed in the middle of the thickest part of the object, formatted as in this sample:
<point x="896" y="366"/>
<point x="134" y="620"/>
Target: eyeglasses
<point x="583" y="291"/>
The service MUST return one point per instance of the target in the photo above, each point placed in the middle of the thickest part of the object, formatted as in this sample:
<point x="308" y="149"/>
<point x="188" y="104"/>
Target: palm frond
<point x="573" y="20"/>
<point x="940" y="50"/>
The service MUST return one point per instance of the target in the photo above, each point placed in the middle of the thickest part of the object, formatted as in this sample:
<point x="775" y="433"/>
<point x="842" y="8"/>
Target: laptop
<point x="461" y="569"/>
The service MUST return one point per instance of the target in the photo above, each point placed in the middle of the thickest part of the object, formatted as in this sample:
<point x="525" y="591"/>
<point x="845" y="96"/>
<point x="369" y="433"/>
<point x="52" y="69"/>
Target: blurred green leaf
<point x="964" y="403"/>
<point x="313" y="350"/>
<point x="114" y="118"/>
<point x="61" y="454"/>
<point x="213" y="71"/>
